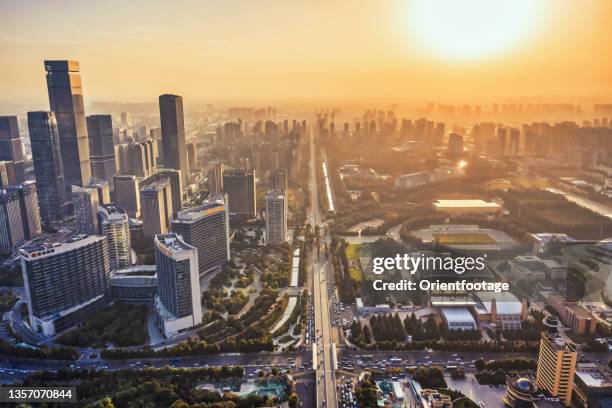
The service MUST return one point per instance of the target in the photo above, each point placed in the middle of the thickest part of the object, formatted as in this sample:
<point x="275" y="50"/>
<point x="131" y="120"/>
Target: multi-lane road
<point x="324" y="355"/>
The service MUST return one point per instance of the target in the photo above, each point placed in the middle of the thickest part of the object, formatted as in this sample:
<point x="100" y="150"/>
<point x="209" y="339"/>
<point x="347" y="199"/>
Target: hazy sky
<point x="243" y="51"/>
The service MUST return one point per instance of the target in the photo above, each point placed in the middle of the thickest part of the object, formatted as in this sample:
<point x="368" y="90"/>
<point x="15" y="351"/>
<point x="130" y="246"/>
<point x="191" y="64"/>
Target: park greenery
<point x="152" y="387"/>
<point x="120" y="324"/>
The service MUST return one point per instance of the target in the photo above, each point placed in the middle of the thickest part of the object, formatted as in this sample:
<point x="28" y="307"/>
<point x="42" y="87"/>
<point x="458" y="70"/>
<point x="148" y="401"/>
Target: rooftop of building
<point x="592" y="376"/>
<point x="155" y="185"/>
<point x="61" y="242"/>
<point x="275" y="194"/>
<point x="559" y="343"/>
<point x="173" y="243"/>
<point x="457" y="315"/>
<point x="208" y="207"/>
<point x="113" y="208"/>
<point x="471" y="203"/>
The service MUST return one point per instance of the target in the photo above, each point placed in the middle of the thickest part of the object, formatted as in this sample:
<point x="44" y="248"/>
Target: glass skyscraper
<point x="47" y="161"/>
<point x="66" y="101"/>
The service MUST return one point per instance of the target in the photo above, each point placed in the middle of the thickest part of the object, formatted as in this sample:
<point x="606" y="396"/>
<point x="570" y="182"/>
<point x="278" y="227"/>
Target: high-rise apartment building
<point x="206" y="227"/>
<point x="173" y="133"/>
<point x="114" y="225"/>
<point x="11" y="149"/>
<point x="276" y="218"/>
<point x="66" y="101"/>
<point x="556" y="363"/>
<point x="64" y="281"/>
<point x="11" y="225"/>
<point x="156" y="204"/>
<point x="455" y="144"/>
<point x="178" y="303"/>
<point x="102" y="148"/>
<point x="280" y="180"/>
<point x="85" y="203"/>
<point x="240" y="188"/>
<point x="215" y="177"/>
<point x="48" y="169"/>
<point x="127" y="194"/>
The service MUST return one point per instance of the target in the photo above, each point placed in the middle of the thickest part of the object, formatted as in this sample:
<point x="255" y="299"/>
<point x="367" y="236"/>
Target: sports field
<point x="475" y="238"/>
<point x="352" y="256"/>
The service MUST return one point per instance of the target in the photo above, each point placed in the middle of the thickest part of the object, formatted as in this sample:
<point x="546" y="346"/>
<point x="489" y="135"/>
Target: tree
<point x="293" y="400"/>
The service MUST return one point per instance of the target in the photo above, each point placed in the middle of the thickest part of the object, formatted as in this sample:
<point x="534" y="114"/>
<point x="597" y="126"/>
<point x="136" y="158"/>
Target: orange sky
<point x="328" y="51"/>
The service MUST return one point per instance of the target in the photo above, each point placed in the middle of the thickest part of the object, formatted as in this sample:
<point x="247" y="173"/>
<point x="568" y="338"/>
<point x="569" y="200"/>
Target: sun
<point x="470" y="29"/>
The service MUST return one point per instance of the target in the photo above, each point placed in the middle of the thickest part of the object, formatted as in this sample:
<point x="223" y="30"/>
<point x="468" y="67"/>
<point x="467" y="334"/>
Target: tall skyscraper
<point x="173" y="133"/>
<point x="280" y="180"/>
<point x="174" y="178"/>
<point x="215" y="177"/>
<point x="455" y="144"/>
<point x="85" y="202"/>
<point x="178" y="302"/>
<point x="64" y="281"/>
<point x="240" y="188"/>
<point x="30" y="214"/>
<point x="127" y="194"/>
<point x="114" y="225"/>
<point x="11" y="225"/>
<point x="102" y="148"/>
<point x="11" y="149"/>
<point x="556" y="363"/>
<point x="47" y="161"/>
<point x="66" y="101"/>
<point x="206" y="227"/>
<point x="156" y="202"/>
<point x="276" y="218"/>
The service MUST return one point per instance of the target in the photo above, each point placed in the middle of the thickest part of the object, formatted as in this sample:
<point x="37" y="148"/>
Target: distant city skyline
<point x="247" y="53"/>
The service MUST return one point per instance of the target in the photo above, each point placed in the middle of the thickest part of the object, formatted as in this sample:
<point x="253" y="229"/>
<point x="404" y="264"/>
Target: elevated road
<point x="323" y="358"/>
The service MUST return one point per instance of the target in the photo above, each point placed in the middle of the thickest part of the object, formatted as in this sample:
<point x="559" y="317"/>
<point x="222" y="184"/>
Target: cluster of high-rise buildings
<point x="122" y="190"/>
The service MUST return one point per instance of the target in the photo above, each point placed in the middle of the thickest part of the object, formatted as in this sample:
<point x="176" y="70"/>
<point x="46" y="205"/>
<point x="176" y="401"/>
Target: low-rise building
<point x="573" y="315"/>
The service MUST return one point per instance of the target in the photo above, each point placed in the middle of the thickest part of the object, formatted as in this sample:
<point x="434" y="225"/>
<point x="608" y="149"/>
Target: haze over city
<point x="316" y="204"/>
<point x="311" y="52"/>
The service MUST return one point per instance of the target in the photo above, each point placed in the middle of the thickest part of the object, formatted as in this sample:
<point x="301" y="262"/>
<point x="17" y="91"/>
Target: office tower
<point x="115" y="226"/>
<point x="11" y="149"/>
<point x="102" y="148"/>
<point x="178" y="301"/>
<point x="64" y="281"/>
<point x="173" y="133"/>
<point x="174" y="176"/>
<point x="66" y="101"/>
<point x="136" y="159"/>
<point x="206" y="227"/>
<point x="47" y="161"/>
<point x="215" y="177"/>
<point x="127" y="194"/>
<point x="7" y="169"/>
<point x="125" y="119"/>
<point x="240" y="188"/>
<point x="556" y="363"/>
<point x="280" y="180"/>
<point x="11" y="225"/>
<point x="156" y="202"/>
<point x="191" y="157"/>
<point x="28" y="203"/>
<point x="276" y="218"/>
<point x="85" y="203"/>
<point x="156" y="135"/>
<point x="455" y="144"/>
<point x="103" y="190"/>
